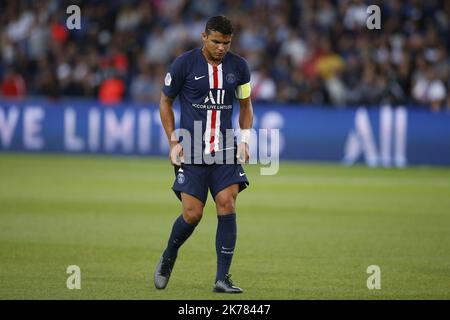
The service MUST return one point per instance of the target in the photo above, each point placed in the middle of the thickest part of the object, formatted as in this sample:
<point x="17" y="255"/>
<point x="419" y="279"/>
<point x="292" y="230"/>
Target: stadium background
<point x="338" y="92"/>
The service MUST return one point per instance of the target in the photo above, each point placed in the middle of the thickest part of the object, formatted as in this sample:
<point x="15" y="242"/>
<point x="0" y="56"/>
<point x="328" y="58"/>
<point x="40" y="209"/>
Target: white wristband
<point x="245" y="135"/>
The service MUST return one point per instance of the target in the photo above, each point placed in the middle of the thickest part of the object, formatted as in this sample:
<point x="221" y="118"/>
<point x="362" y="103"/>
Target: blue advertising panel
<point x="378" y="136"/>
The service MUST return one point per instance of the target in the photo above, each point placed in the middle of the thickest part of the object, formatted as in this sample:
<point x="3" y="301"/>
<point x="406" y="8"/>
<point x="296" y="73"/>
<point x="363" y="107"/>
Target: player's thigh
<point x="225" y="183"/>
<point x="192" y="208"/>
<point x="226" y="200"/>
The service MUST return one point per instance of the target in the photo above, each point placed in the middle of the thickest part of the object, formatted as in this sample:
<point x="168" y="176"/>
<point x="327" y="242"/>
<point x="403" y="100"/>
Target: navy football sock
<point x="181" y="230"/>
<point x="225" y="242"/>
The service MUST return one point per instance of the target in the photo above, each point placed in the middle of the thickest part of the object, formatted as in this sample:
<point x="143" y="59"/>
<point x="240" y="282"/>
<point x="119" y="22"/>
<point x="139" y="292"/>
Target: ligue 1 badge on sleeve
<point x="168" y="79"/>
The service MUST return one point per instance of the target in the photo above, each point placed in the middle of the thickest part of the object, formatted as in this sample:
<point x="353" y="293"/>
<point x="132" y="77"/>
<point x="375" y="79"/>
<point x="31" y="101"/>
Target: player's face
<point x="216" y="44"/>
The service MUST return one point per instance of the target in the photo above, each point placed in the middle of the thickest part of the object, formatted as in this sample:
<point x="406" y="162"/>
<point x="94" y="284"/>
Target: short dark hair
<point x="220" y="24"/>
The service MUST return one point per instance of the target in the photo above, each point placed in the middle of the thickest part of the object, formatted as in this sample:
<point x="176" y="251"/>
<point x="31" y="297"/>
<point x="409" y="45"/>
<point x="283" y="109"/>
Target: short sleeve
<point x="243" y="90"/>
<point x="174" y="79"/>
<point x="245" y="72"/>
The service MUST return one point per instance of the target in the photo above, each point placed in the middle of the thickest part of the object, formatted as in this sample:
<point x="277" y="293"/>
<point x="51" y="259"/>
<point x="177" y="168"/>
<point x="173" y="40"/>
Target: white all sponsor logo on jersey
<point x="219" y="99"/>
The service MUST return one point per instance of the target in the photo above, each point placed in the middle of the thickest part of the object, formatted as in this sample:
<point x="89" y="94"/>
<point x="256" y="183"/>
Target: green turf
<point x="309" y="232"/>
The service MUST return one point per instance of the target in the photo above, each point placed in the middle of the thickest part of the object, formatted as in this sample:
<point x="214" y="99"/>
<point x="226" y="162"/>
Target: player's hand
<point x="243" y="153"/>
<point x="176" y="154"/>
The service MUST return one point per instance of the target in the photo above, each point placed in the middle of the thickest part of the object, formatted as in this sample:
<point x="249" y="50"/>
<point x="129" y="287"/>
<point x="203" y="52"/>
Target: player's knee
<point x="226" y="205"/>
<point x="192" y="215"/>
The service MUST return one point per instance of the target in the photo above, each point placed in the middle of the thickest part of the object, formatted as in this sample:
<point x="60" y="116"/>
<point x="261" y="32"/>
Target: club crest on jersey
<point x="180" y="178"/>
<point x="230" y="78"/>
<point x="217" y="98"/>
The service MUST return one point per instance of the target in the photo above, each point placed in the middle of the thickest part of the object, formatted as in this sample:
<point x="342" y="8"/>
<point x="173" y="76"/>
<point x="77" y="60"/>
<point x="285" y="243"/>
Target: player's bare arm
<point x="168" y="122"/>
<point x="245" y="123"/>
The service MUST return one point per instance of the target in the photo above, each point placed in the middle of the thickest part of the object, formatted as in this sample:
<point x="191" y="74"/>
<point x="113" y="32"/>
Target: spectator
<point x="112" y="91"/>
<point x="354" y="66"/>
<point x="158" y="48"/>
<point x="13" y="84"/>
<point x="355" y="15"/>
<point x="263" y="87"/>
<point x="47" y="83"/>
<point x="430" y="90"/>
<point x="329" y="66"/>
<point x="143" y="88"/>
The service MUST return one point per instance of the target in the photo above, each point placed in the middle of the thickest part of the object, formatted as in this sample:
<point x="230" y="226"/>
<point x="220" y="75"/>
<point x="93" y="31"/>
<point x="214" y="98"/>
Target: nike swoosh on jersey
<point x="225" y="149"/>
<point x="241" y="174"/>
<point x="198" y="78"/>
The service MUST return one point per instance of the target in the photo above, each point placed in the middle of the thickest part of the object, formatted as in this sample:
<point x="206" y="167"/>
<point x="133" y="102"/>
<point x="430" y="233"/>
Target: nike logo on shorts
<point x="241" y="174"/>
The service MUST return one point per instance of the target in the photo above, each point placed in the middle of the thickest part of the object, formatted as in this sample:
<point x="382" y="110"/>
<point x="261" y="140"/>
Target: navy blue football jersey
<point x="206" y="95"/>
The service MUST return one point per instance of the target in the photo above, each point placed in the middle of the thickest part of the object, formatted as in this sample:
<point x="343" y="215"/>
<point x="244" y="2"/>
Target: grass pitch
<point x="309" y="232"/>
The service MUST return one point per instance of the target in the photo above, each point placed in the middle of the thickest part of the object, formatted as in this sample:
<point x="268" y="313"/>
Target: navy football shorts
<point x="196" y="179"/>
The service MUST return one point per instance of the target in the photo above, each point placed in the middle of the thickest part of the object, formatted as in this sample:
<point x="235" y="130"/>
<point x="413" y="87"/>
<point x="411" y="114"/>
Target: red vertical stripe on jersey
<point x="213" y="130"/>
<point x="215" y="77"/>
<point x="213" y="115"/>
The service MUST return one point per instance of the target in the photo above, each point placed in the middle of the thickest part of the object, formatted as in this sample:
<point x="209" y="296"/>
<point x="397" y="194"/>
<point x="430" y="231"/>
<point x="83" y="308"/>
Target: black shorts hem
<point x="242" y="186"/>
<point x="178" y="194"/>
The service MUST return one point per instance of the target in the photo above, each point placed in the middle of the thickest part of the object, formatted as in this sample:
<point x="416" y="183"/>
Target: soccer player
<point x="207" y="80"/>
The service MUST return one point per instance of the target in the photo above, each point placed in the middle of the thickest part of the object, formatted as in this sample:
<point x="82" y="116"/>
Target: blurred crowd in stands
<point x="300" y="51"/>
